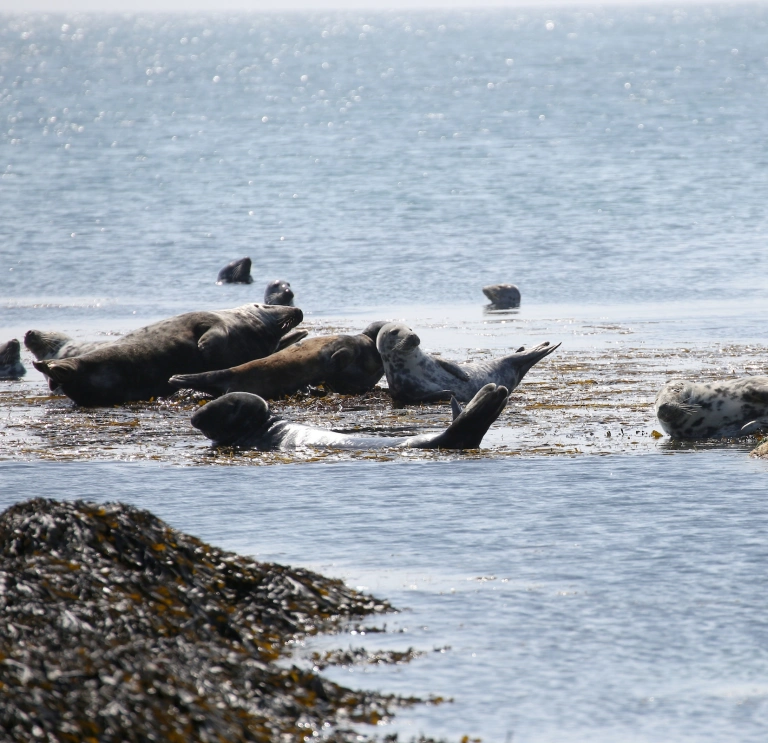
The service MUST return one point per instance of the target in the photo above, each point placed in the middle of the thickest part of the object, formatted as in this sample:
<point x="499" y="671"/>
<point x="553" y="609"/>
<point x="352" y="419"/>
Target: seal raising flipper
<point x="279" y="292"/>
<point x="244" y="420"/>
<point x="237" y="272"/>
<point x="10" y="360"/>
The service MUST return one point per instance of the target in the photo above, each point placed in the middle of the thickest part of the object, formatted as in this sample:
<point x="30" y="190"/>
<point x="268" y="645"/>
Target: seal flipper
<point x="452" y="368"/>
<point x="341" y="359"/>
<point x="212" y="383"/>
<point x="290" y="338"/>
<point x="455" y="407"/>
<point x="59" y="372"/>
<point x="468" y="429"/>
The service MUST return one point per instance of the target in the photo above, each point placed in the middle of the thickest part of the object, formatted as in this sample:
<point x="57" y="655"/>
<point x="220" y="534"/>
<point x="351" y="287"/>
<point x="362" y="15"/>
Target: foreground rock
<point x="761" y="451"/>
<point x="116" y="627"/>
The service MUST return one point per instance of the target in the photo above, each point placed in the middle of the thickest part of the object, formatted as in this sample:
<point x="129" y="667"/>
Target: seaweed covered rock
<point x="116" y="627"/>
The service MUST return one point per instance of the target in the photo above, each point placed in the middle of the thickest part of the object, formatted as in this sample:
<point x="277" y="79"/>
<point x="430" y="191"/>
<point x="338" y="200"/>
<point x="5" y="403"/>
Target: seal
<point x="138" y="365"/>
<point x="502" y="296"/>
<point x="50" y="344"/>
<point x="244" y="420"/>
<point x="702" y="410"/>
<point x="10" y="360"/>
<point x="279" y="292"/>
<point x="348" y="364"/>
<point x="414" y="376"/>
<point x="237" y="272"/>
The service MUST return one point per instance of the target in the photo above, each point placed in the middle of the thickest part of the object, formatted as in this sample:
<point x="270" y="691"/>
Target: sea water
<point x="610" y="162"/>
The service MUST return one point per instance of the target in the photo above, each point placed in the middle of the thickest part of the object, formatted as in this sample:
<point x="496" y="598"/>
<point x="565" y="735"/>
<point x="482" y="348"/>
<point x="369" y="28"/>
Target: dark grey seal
<point x="138" y="365"/>
<point x="279" y="292"/>
<point x="244" y="420"/>
<point x="50" y="344"/>
<point x="702" y="410"/>
<point x="10" y="360"/>
<point x="237" y="272"/>
<point x="502" y="296"/>
<point x="414" y="376"/>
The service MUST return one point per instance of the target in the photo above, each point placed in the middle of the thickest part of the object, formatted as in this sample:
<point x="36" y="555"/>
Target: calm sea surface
<point x="613" y="163"/>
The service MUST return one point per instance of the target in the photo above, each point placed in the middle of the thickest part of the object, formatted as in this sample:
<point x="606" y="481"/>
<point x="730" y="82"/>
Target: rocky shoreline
<point x="117" y="627"/>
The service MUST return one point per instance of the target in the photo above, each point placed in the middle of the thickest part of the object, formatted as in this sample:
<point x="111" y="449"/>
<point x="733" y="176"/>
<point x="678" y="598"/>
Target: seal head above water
<point x="414" y="376"/>
<point x="237" y="272"/>
<point x="10" y="360"/>
<point x="138" y="365"/>
<point x="702" y="410"/>
<point x="279" y="292"/>
<point x="244" y="420"/>
<point x="502" y="296"/>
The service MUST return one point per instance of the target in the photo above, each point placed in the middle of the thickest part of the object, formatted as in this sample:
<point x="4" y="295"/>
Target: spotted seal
<point x="701" y="410"/>
<point x="349" y="364"/>
<point x="138" y="365"/>
<point x="10" y="360"/>
<point x="502" y="296"/>
<point x="279" y="292"/>
<point x="414" y="376"/>
<point x="244" y="420"/>
<point x="237" y="272"/>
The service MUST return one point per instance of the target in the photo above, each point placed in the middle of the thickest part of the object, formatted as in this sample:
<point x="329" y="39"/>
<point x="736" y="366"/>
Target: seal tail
<point x="472" y="423"/>
<point x="212" y="383"/>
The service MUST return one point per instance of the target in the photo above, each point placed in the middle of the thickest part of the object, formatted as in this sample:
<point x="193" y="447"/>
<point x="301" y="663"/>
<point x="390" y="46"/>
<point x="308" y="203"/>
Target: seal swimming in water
<point x="279" y="292"/>
<point x="502" y="296"/>
<point x="244" y="420"/>
<point x="138" y="365"/>
<point x="10" y="360"/>
<point x="414" y="376"/>
<point x="348" y="364"/>
<point x="701" y="410"/>
<point x="237" y="272"/>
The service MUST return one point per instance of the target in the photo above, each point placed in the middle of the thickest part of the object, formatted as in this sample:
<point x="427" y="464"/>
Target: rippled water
<point x="612" y="163"/>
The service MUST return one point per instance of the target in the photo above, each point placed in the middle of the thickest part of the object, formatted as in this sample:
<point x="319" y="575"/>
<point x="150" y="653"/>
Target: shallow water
<point x="611" y="163"/>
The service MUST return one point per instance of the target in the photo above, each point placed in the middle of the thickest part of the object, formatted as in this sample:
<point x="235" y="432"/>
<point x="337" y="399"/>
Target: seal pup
<point x="701" y="410"/>
<point x="237" y="272"/>
<point x="348" y="364"/>
<point x="414" y="376"/>
<point x="10" y="360"/>
<point x="279" y="292"/>
<point x="138" y="365"/>
<point x="244" y="420"/>
<point x="502" y="296"/>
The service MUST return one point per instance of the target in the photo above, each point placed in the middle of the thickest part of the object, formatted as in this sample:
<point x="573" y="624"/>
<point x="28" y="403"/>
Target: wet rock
<point x="761" y="451"/>
<point x="116" y="627"/>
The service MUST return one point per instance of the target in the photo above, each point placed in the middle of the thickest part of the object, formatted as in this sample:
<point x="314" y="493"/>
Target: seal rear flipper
<point x="452" y="368"/>
<point x="212" y="383"/>
<point x="472" y="423"/>
<point x="290" y="338"/>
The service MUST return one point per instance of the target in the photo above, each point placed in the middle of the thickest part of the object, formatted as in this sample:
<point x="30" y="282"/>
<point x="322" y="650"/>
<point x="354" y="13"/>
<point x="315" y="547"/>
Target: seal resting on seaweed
<point x="138" y="365"/>
<point x="502" y="296"/>
<point x="349" y="364"/>
<point x="701" y="410"/>
<point x="10" y="360"/>
<point x="237" y="272"/>
<point x="279" y="292"/>
<point x="244" y="420"/>
<point x="414" y="376"/>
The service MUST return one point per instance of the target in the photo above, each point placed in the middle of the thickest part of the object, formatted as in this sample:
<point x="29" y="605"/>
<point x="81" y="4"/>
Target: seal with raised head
<point x="138" y="365"/>
<point x="414" y="376"/>
<point x="10" y="360"/>
<point x="502" y="296"/>
<point x="279" y="292"/>
<point x="702" y="410"/>
<point x="237" y="272"/>
<point x="244" y="420"/>
<point x="50" y="344"/>
<point x="348" y="364"/>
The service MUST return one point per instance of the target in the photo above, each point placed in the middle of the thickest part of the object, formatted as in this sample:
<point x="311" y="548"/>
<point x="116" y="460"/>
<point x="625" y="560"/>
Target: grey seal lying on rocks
<point x="700" y="410"/>
<point x="138" y="365"/>
<point x="502" y="296"/>
<point x="279" y="292"/>
<point x="10" y="360"/>
<point x="244" y="420"/>
<point x="348" y="364"/>
<point x="237" y="272"/>
<point x="414" y="376"/>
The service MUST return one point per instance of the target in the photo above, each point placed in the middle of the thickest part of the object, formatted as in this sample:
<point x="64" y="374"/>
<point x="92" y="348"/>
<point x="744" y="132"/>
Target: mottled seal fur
<point x="414" y="376"/>
<point x="701" y="410"/>
<point x="138" y="365"/>
<point x="502" y="296"/>
<point x="10" y="360"/>
<point x="279" y="292"/>
<point x="237" y="272"/>
<point x="244" y="420"/>
<point x="349" y="364"/>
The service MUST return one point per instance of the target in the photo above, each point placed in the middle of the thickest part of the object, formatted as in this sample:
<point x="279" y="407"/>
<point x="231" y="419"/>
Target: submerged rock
<point x="116" y="627"/>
